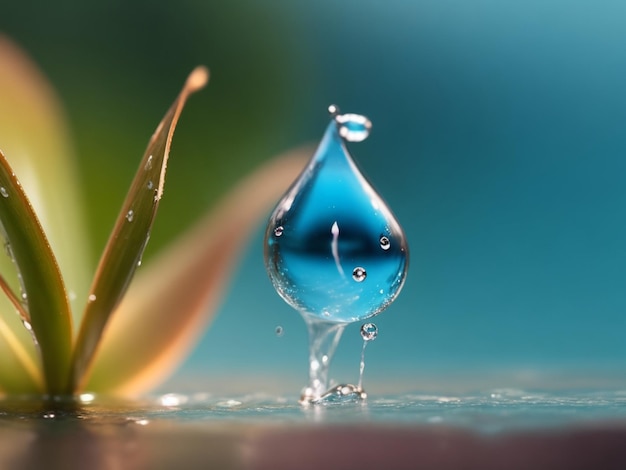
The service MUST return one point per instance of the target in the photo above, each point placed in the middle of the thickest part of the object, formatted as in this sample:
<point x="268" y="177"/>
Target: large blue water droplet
<point x="333" y="249"/>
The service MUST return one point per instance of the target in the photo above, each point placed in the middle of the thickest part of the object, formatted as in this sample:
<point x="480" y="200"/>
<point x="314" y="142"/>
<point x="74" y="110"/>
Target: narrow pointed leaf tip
<point x="130" y="234"/>
<point x="176" y="294"/>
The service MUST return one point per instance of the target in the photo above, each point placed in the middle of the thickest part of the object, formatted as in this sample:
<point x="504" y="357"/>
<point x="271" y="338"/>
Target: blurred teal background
<point x="498" y="141"/>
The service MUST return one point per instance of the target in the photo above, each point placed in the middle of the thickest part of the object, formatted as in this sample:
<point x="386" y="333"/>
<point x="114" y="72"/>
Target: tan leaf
<point x="172" y="299"/>
<point x="131" y="232"/>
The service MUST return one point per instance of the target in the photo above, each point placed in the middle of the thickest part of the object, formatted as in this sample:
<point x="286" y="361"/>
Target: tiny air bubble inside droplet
<point x="130" y="215"/>
<point x="369" y="331"/>
<point x="384" y="243"/>
<point x="278" y="231"/>
<point x="279" y="330"/>
<point x="359" y="274"/>
<point x="4" y="191"/>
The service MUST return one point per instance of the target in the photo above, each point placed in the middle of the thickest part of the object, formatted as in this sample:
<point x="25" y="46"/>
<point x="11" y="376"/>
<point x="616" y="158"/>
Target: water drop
<point x="4" y="191"/>
<point x="369" y="331"/>
<point x="353" y="127"/>
<point x="278" y="231"/>
<point x="385" y="244"/>
<point x="130" y="215"/>
<point x="150" y="184"/>
<point x="359" y="274"/>
<point x="279" y="331"/>
<point x="148" y="165"/>
<point x="335" y="220"/>
<point x="92" y="297"/>
<point x="86" y="397"/>
<point x="27" y="325"/>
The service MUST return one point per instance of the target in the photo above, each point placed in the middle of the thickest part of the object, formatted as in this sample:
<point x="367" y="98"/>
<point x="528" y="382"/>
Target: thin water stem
<point x="323" y="339"/>
<point x="362" y="366"/>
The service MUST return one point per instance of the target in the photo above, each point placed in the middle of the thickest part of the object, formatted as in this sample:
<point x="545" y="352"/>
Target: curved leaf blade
<point x="174" y="298"/>
<point x="34" y="135"/>
<point x="47" y="301"/>
<point x="130" y="233"/>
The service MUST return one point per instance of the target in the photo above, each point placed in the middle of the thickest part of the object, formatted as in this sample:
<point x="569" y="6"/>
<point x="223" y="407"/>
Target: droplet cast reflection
<point x="333" y="249"/>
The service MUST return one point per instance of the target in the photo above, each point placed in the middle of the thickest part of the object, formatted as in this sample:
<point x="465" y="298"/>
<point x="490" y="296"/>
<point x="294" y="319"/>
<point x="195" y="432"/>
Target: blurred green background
<point x="498" y="141"/>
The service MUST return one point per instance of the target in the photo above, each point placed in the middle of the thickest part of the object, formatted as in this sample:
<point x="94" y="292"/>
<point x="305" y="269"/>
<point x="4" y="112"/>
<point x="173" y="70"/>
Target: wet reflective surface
<point x="498" y="428"/>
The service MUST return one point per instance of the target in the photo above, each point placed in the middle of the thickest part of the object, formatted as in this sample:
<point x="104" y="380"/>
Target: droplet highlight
<point x="148" y="165"/>
<point x="278" y="231"/>
<point x="130" y="215"/>
<point x="4" y="192"/>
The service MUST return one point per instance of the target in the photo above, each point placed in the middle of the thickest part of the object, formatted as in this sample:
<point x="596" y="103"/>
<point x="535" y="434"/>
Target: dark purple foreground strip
<point x="395" y="448"/>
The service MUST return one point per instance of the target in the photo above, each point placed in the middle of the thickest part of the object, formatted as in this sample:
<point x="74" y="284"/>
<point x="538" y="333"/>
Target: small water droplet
<point x="385" y="244"/>
<point x="130" y="215"/>
<point x="359" y="274"/>
<point x="279" y="331"/>
<point x="343" y="393"/>
<point x="27" y="325"/>
<point x="4" y="191"/>
<point x="150" y="184"/>
<point x="24" y="296"/>
<point x="49" y="415"/>
<point x="92" y="297"/>
<point x="173" y="399"/>
<point x="353" y="127"/>
<point x="278" y="231"/>
<point x="369" y="331"/>
<point x="230" y="403"/>
<point x="148" y="165"/>
<point x="86" y="397"/>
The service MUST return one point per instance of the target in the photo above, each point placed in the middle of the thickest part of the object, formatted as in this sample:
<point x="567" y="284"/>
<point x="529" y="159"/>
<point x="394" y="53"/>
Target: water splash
<point x="333" y="249"/>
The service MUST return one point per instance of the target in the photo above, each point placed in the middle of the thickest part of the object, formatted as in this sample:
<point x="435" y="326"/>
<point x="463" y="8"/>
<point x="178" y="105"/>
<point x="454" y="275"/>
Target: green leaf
<point x="175" y="296"/>
<point x="41" y="279"/>
<point x="33" y="134"/>
<point x="130" y="234"/>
